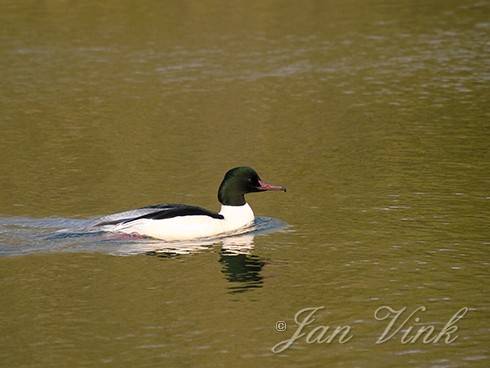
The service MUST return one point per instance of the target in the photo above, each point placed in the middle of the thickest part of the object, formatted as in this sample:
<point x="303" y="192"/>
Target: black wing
<point x="156" y="212"/>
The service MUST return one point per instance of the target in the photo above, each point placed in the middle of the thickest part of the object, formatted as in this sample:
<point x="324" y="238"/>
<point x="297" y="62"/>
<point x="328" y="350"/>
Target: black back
<point x="164" y="211"/>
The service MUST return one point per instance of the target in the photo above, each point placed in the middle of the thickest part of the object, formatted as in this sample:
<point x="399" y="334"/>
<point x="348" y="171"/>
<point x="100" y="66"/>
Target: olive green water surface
<point x="373" y="113"/>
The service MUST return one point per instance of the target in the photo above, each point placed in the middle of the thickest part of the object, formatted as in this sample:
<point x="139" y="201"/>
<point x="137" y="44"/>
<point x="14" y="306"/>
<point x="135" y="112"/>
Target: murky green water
<point x="373" y="113"/>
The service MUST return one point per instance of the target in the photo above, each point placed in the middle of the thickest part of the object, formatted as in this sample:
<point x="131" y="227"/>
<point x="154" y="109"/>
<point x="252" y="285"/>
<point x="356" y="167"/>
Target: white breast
<point x="191" y="227"/>
<point x="236" y="217"/>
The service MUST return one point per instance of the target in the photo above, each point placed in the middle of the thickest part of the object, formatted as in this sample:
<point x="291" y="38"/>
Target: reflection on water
<point x="241" y="268"/>
<point x="243" y="271"/>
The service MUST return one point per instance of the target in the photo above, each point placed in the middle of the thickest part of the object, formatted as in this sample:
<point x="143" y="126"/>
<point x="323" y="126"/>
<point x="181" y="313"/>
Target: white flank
<point x="191" y="227"/>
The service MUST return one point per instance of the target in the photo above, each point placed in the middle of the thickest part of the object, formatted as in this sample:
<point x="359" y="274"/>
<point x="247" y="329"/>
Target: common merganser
<point x="174" y="222"/>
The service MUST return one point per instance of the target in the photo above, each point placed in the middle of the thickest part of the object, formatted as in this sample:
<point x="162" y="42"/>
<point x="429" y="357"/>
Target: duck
<point x="181" y="222"/>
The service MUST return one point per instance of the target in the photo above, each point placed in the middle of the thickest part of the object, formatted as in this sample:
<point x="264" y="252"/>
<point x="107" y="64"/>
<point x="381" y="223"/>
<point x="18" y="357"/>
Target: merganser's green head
<point x="240" y="181"/>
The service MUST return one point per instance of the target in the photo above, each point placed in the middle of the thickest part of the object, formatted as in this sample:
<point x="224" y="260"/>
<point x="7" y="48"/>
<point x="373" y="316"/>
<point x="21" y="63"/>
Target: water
<point x="374" y="114"/>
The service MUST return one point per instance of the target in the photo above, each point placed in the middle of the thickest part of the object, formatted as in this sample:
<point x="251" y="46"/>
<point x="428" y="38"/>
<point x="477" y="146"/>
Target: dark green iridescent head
<point x="240" y="181"/>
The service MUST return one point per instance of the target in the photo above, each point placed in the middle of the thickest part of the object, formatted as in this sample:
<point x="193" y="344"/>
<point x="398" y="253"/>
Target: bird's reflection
<point x="241" y="268"/>
<point x="237" y="244"/>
